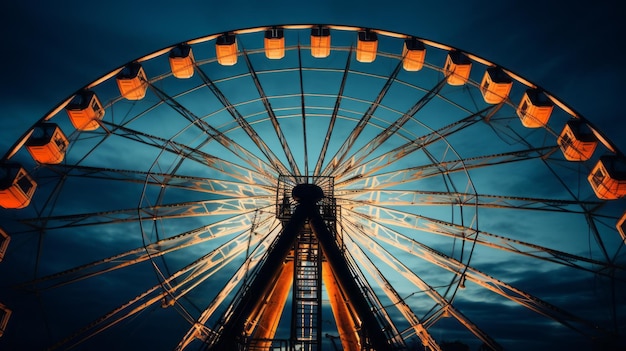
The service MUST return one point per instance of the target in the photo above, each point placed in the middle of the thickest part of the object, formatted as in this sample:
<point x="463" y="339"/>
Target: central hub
<point x="307" y="193"/>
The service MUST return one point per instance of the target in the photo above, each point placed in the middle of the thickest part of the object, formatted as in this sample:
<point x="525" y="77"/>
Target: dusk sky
<point x="52" y="51"/>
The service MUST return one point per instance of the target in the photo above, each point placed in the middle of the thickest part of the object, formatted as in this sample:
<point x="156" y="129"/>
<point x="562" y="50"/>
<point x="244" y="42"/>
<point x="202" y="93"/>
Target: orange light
<point x="366" y="47"/>
<point x="346" y="325"/>
<point x="534" y="109"/>
<point x="457" y="68"/>
<point x="47" y="144"/>
<point x="320" y="42"/>
<point x="85" y="110"/>
<point x="608" y="177"/>
<point x="16" y="187"/>
<point x="274" y="44"/>
<point x="226" y="49"/>
<point x="495" y="86"/>
<point x="413" y="55"/>
<point x="181" y="61"/>
<point x="273" y="308"/>
<point x="132" y="82"/>
<point x="577" y="141"/>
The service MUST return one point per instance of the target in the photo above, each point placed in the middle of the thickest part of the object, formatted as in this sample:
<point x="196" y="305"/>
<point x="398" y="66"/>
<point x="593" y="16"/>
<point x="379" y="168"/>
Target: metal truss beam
<point x="382" y="161"/>
<point x="333" y="118"/>
<point x="194" y="183"/>
<point x="343" y="151"/>
<point x="230" y="226"/>
<point x="366" y="180"/>
<point x="231" y="206"/>
<point x="377" y="141"/>
<point x="430" y="225"/>
<point x="254" y="136"/>
<point x="260" y="174"/>
<point x="384" y="197"/>
<point x="272" y="116"/>
<point x="501" y="288"/>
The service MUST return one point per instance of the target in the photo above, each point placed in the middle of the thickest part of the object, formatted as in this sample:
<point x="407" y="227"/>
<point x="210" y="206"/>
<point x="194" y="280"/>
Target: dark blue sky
<point x="50" y="51"/>
<point x="570" y="50"/>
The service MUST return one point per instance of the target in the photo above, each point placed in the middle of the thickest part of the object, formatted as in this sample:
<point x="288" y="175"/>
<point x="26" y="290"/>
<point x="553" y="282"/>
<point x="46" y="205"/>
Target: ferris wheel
<point x="310" y="187"/>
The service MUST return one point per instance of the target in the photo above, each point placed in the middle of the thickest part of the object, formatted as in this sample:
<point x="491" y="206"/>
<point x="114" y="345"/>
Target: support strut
<point x="232" y="334"/>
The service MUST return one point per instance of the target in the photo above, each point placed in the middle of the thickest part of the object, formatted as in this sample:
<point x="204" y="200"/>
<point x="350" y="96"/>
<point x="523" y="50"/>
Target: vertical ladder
<point x="307" y="290"/>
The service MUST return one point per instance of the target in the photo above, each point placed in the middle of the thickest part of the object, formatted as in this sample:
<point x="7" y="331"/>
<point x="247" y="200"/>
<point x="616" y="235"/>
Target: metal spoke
<point x="222" y="207"/>
<point x="363" y="236"/>
<point x="408" y="148"/>
<point x="389" y="179"/>
<point x="343" y="151"/>
<point x="199" y="330"/>
<point x="193" y="183"/>
<point x="262" y="175"/>
<point x="390" y="216"/>
<point x="355" y="159"/>
<point x="365" y="262"/>
<point x="265" y="150"/>
<point x="391" y="197"/>
<point x="233" y="225"/>
<point x="194" y="273"/>
<point x="523" y="298"/>
<point x="273" y="119"/>
<point x="333" y="117"/>
<point x="212" y="133"/>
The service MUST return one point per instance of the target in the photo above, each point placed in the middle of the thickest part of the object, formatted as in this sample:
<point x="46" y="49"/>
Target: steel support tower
<point x="306" y="255"/>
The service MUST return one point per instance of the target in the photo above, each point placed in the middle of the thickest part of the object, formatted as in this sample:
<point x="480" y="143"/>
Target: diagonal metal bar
<point x="303" y="111"/>
<point x="197" y="271"/>
<point x="252" y="134"/>
<point x="396" y="300"/>
<point x="333" y="118"/>
<point x="199" y="330"/>
<point x="232" y="206"/>
<point x="200" y="184"/>
<point x="343" y="151"/>
<point x="262" y="173"/>
<point x="501" y="288"/>
<point x="232" y="225"/>
<point x="385" y="180"/>
<point x="382" y="197"/>
<point x="434" y="226"/>
<point x="408" y="148"/>
<point x="272" y="116"/>
<point x="378" y="140"/>
<point x="365" y="240"/>
<point x="213" y="133"/>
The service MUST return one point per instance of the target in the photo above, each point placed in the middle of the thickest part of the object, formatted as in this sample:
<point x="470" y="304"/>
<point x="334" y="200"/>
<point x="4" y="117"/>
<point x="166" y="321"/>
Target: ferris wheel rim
<point x="473" y="240"/>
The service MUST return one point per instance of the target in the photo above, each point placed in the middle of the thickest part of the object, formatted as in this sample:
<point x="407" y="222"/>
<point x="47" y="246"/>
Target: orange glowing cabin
<point x="226" y="49"/>
<point x="577" y="141"/>
<point x="85" y="110"/>
<point x="534" y="109"/>
<point x="366" y="47"/>
<point x="47" y="143"/>
<point x="132" y="81"/>
<point x="457" y="68"/>
<point x="621" y="226"/>
<point x="274" y="43"/>
<point x="5" y="313"/>
<point x="496" y="85"/>
<point x="181" y="61"/>
<point x="4" y="243"/>
<point x="320" y="42"/>
<point x="16" y="186"/>
<point x="608" y="177"/>
<point x="413" y="55"/>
